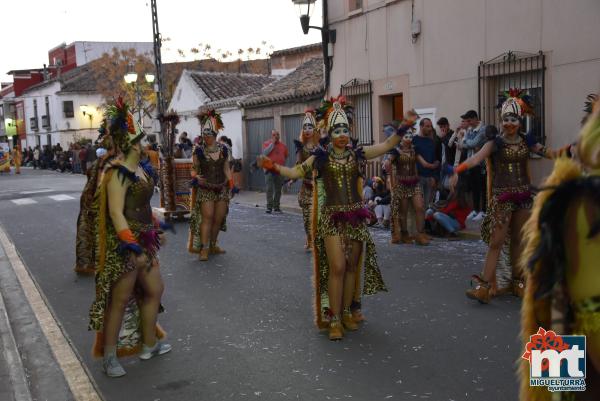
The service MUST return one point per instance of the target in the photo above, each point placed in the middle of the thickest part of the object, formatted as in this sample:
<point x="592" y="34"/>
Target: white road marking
<point x="37" y="191"/>
<point x="81" y="384"/>
<point x="23" y="201"/>
<point x="59" y="198"/>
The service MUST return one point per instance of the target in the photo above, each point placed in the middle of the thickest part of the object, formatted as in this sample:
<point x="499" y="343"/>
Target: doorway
<point x="398" y="107"/>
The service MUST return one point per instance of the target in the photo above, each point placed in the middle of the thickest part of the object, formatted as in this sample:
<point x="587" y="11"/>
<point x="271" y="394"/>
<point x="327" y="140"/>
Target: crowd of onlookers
<point x="437" y="151"/>
<point x="76" y="159"/>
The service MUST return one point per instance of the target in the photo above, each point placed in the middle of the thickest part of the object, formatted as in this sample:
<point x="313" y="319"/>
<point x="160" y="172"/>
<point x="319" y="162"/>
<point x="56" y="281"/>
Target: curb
<point x="79" y="380"/>
<point x="18" y="380"/>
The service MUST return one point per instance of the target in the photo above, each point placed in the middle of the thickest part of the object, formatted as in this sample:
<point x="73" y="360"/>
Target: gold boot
<point x="405" y="238"/>
<point x="480" y="290"/>
<point x="422" y="239"/>
<point x="204" y="251"/>
<point x="336" y="330"/>
<point x="396" y="237"/>
<point x="215" y="249"/>
<point x="348" y="321"/>
<point x="518" y="288"/>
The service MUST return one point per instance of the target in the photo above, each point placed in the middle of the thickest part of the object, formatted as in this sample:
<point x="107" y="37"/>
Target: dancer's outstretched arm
<point x="374" y="151"/>
<point x="294" y="173"/>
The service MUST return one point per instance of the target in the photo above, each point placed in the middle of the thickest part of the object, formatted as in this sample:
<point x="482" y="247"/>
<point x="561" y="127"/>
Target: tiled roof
<point x="79" y="79"/>
<point x="219" y="86"/>
<point x="306" y="82"/>
<point x="299" y="49"/>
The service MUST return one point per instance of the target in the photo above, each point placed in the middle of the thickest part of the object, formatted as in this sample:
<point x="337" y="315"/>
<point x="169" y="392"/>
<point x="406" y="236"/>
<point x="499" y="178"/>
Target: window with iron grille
<point x="358" y="93"/>
<point x="524" y="71"/>
<point x="68" y="109"/>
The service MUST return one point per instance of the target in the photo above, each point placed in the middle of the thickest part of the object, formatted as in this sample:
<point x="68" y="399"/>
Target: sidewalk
<point x="38" y="361"/>
<point x="289" y="203"/>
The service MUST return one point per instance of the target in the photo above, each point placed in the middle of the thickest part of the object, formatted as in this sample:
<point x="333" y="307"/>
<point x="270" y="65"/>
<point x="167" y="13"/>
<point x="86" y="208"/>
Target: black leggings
<point x="477" y="184"/>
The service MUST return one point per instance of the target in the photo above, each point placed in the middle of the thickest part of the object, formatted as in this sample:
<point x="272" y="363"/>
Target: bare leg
<point x="220" y="210"/>
<point x="208" y="211"/>
<point x="350" y="276"/>
<point x="403" y="215"/>
<point x="119" y="297"/>
<point x="497" y="238"/>
<point x="418" y="205"/>
<point x="153" y="286"/>
<point x="337" y="267"/>
<point x="519" y="218"/>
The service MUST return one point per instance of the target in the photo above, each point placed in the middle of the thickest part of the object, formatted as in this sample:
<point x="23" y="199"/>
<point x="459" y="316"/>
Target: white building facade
<point x="447" y="57"/>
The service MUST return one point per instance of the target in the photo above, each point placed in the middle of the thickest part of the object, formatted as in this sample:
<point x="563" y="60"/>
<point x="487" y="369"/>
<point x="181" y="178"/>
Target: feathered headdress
<point x="121" y="125"/>
<point x="335" y="112"/>
<point x="210" y="122"/>
<point x="515" y="101"/>
<point x="309" y="118"/>
<point x="590" y="101"/>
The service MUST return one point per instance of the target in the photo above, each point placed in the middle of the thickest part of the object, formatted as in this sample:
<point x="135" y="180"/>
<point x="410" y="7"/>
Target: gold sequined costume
<point x="112" y="264"/>
<point x="215" y="188"/>
<point x="338" y="211"/>
<point x="305" y="195"/>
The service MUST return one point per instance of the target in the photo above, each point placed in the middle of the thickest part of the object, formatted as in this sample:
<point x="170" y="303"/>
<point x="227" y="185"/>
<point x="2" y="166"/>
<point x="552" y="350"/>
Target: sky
<point x="226" y="24"/>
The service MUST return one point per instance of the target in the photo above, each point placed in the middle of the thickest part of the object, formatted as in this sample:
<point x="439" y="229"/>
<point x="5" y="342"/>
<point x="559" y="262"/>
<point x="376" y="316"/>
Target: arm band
<point x="462" y="167"/>
<point x="127" y="236"/>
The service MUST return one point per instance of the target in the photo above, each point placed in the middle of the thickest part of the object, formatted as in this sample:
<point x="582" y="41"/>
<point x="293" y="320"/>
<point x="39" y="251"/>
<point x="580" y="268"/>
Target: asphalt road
<point x="242" y="324"/>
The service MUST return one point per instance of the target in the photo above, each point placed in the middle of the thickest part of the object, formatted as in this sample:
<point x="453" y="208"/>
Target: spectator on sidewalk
<point x="473" y="141"/>
<point x="382" y="199"/>
<point x="185" y="144"/>
<point x="83" y="159"/>
<point x="428" y="166"/>
<point x="275" y="150"/>
<point x="450" y="215"/>
<point x="36" y="157"/>
<point x="444" y="133"/>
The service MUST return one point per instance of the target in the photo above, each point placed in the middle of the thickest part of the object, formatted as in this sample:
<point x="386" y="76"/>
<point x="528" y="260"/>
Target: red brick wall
<point x="20" y="83"/>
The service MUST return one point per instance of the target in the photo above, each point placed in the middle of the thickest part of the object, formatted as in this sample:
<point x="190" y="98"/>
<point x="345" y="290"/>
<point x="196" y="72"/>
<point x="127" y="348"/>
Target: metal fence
<point x="359" y="93"/>
<point x="524" y="71"/>
<point x="258" y="131"/>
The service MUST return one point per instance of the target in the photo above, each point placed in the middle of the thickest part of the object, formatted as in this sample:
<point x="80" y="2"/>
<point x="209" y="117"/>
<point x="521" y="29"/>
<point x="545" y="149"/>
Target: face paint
<point x="209" y="140"/>
<point x="308" y="128"/>
<point x="510" y="120"/>
<point x="341" y="132"/>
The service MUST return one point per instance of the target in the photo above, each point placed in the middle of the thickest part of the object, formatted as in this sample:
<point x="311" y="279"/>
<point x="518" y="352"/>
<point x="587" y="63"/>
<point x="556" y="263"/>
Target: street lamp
<point x="328" y="36"/>
<point x="87" y="111"/>
<point x="131" y="78"/>
<point x="305" y="15"/>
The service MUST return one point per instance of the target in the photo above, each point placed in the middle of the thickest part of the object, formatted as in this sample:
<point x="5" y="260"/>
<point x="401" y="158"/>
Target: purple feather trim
<point x="150" y="241"/>
<point x="514" y="197"/>
<point x="354" y="217"/>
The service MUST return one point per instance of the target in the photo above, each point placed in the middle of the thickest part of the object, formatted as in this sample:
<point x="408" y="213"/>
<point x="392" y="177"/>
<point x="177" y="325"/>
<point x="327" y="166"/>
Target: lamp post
<point x="328" y="36"/>
<point x="87" y="112"/>
<point x="131" y="78"/>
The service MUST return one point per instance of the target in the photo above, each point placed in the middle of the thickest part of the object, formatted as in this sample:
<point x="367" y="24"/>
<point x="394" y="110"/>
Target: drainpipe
<point x="325" y="41"/>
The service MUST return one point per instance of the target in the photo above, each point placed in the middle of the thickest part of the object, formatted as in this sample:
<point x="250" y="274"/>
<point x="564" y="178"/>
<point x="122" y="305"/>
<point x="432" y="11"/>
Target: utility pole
<point x="166" y="176"/>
